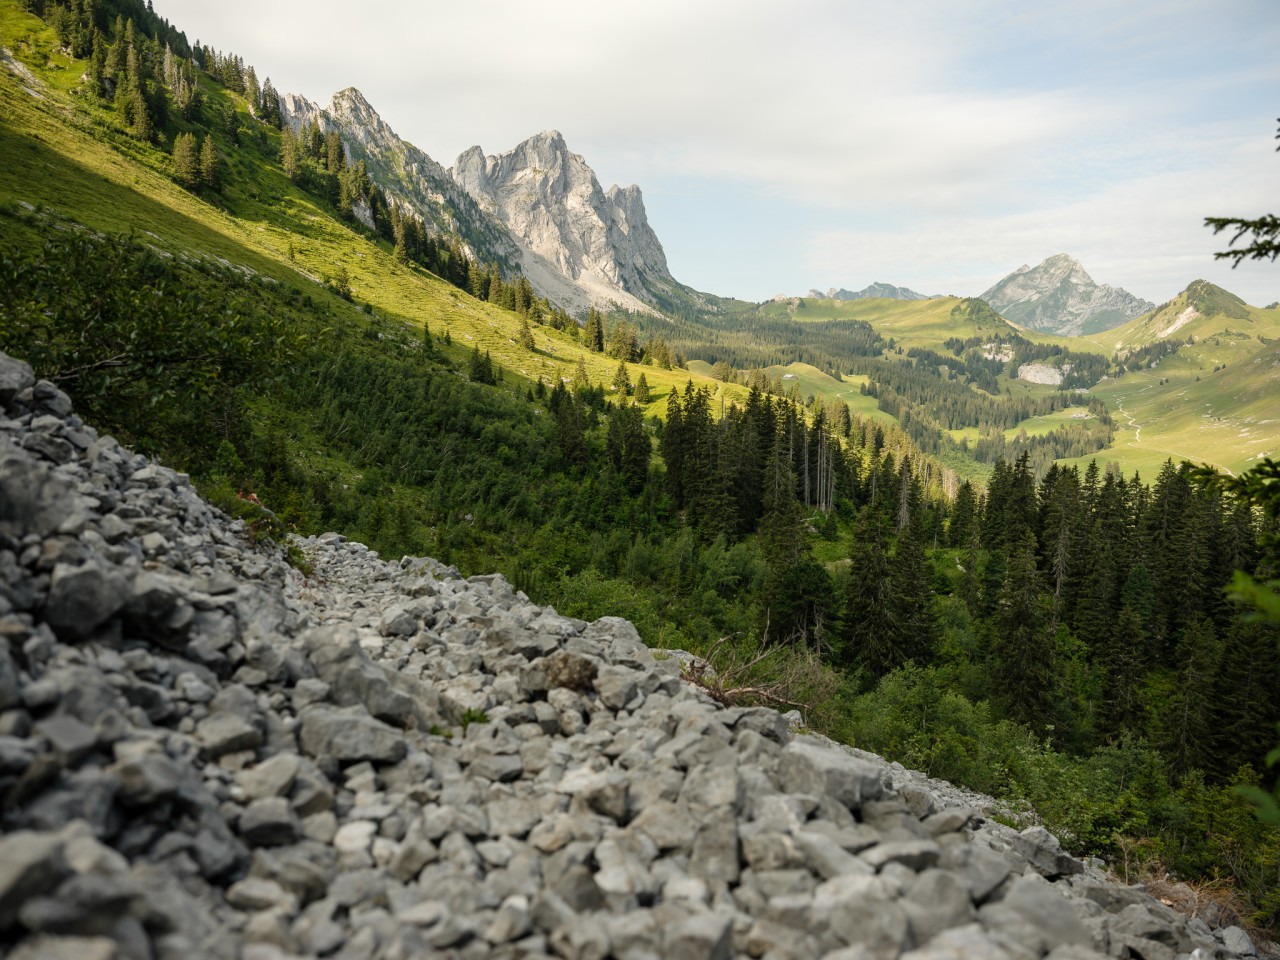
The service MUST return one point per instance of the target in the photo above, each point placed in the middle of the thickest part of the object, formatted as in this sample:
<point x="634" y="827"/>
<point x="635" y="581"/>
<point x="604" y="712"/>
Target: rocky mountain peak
<point x="550" y="198"/>
<point x="1059" y="296"/>
<point x="415" y="182"/>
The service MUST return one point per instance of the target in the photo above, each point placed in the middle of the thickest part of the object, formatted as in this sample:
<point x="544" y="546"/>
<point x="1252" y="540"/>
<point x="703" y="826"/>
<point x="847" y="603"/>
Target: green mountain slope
<point x="1214" y="399"/>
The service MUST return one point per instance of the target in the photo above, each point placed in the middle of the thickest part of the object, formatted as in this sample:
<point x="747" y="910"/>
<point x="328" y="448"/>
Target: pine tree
<point x="1122" y="665"/>
<point x="186" y="160"/>
<point x="252" y="92"/>
<point x="593" y="333"/>
<point x="290" y="155"/>
<point x="1185" y="731"/>
<point x="1023" y="657"/>
<point x="621" y="380"/>
<point x="98" y="64"/>
<point x="642" y="389"/>
<point x="869" y="633"/>
<point x="210" y="165"/>
<point x="526" y="334"/>
<point x="911" y="591"/>
<point x="627" y="445"/>
<point x="581" y="382"/>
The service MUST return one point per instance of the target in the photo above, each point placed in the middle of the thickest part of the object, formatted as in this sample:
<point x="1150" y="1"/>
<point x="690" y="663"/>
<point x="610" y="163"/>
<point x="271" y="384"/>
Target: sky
<point x="834" y="143"/>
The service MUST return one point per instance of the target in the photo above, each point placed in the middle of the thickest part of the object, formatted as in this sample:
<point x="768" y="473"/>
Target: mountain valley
<point x="969" y="533"/>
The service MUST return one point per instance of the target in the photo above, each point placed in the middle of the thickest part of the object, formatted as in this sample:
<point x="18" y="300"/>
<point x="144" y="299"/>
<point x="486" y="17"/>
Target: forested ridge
<point x="1059" y="636"/>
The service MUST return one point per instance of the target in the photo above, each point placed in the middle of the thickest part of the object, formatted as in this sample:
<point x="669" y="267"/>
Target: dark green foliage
<point x="186" y="160"/>
<point x="1024" y="668"/>
<point x="135" y="341"/>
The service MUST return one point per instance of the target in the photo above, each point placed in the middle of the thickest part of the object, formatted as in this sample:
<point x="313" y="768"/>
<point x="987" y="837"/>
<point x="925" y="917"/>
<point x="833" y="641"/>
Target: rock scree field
<point x="208" y="751"/>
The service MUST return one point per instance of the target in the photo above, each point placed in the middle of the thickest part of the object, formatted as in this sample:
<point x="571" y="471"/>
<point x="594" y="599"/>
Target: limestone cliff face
<point x="551" y="200"/>
<point x="413" y="179"/>
<point x="1058" y="296"/>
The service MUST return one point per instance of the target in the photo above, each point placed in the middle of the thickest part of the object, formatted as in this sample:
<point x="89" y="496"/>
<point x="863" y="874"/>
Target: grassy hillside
<point x="911" y="323"/>
<point x="66" y="156"/>
<point x="1215" y="400"/>
<point x="1201" y="312"/>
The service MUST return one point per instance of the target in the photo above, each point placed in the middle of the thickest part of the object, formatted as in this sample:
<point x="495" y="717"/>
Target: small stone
<point x="569" y="670"/>
<point x="348" y="735"/>
<point x="355" y="837"/>
<point x="512" y="921"/>
<point x="913" y="854"/>
<point x="31" y="864"/>
<point x="1237" y="941"/>
<point x="269" y="823"/>
<point x="271" y="778"/>
<point x="605" y="792"/>
<point x="68" y="736"/>
<point x="82" y="598"/>
<point x="809" y="767"/>
<point x="258" y="893"/>
<point x="706" y="936"/>
<point x="223" y="733"/>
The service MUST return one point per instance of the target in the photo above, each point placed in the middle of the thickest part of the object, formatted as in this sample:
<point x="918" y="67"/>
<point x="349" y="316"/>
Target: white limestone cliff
<point x="551" y="200"/>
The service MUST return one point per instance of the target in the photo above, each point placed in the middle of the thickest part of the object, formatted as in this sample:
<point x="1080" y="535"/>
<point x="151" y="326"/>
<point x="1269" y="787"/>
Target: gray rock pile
<point x="205" y="752"/>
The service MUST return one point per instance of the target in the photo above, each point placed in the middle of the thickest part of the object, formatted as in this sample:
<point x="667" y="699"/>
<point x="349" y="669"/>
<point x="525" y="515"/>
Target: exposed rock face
<point x="552" y="201"/>
<point x="225" y="757"/>
<point x="1058" y="296"/>
<point x="1045" y="373"/>
<point x="413" y="179"/>
<point x="881" y="291"/>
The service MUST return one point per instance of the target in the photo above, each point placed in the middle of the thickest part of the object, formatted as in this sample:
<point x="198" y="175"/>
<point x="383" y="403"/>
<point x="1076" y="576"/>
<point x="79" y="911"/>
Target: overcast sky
<point x="816" y="143"/>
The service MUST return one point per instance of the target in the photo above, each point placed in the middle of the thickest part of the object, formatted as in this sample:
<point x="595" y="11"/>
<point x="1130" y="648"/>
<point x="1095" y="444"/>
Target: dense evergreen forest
<point x="1064" y="641"/>
<point x="1060" y="637"/>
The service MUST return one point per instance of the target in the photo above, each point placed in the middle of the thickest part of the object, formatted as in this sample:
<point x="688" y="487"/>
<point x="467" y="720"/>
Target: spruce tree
<point x="1023" y="657"/>
<point x="1122" y="672"/>
<point x="1185" y="732"/>
<point x="186" y="160"/>
<point x="642" y="389"/>
<point x="593" y="333"/>
<point x="210" y="165"/>
<point x="911" y="592"/>
<point x="869" y="632"/>
<point x="581" y="382"/>
<point x="621" y="380"/>
<point x="526" y="334"/>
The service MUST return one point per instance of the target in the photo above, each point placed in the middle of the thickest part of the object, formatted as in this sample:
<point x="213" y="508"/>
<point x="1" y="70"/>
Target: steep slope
<point x="217" y="755"/>
<point x="1201" y="311"/>
<point x="883" y="291"/>
<point x="1212" y="398"/>
<point x="1058" y="296"/>
<point x="551" y="200"/>
<point x="414" y="178"/>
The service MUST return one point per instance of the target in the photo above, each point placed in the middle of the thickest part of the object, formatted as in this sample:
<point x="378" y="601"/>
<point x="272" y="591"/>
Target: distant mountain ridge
<point x="1058" y="296"/>
<point x="881" y="291"/>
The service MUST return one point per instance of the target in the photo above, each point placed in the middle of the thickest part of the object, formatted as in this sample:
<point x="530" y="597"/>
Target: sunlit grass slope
<point x="65" y="155"/>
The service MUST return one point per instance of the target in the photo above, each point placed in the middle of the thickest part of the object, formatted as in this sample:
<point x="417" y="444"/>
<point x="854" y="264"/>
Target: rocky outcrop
<point x="880" y="291"/>
<point x="1045" y="373"/>
<point x="551" y="200"/>
<point x="1058" y="296"/>
<point x="415" y="181"/>
<point x="206" y="752"/>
